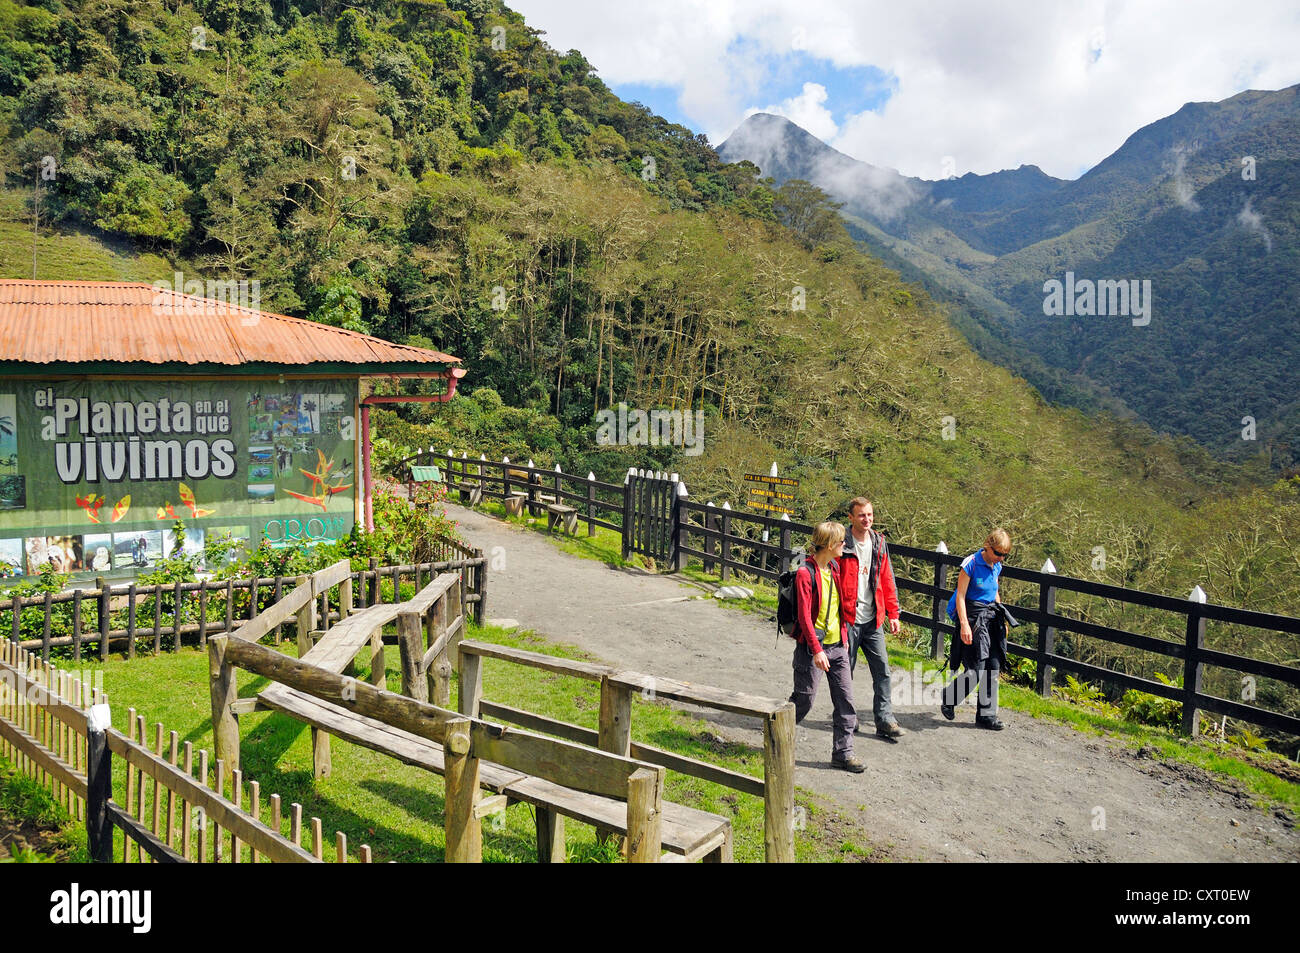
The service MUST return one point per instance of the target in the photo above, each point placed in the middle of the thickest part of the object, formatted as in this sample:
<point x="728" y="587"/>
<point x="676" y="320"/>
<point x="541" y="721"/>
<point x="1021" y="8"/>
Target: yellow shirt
<point x="828" y="611"/>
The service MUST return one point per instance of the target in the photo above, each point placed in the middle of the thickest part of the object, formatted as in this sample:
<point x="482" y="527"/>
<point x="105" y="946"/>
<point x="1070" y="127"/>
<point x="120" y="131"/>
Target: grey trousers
<point x="984" y="677"/>
<point x="808" y="676"/>
<point x="871" y="639"/>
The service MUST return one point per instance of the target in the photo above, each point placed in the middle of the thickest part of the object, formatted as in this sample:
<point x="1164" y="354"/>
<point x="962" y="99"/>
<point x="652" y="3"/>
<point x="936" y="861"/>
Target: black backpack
<point x="786" y="600"/>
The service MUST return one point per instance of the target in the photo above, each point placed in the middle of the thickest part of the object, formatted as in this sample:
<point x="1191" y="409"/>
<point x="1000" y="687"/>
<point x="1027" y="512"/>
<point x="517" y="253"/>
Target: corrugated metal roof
<point x="43" y="322"/>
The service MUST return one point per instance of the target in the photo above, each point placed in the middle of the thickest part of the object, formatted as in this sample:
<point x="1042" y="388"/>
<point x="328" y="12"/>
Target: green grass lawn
<point x="24" y="800"/>
<point x="398" y="809"/>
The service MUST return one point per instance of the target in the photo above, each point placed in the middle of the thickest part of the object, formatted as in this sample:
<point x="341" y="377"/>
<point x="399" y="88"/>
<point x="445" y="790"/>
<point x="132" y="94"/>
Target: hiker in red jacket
<point x="824" y="609"/>
<point x="866" y="565"/>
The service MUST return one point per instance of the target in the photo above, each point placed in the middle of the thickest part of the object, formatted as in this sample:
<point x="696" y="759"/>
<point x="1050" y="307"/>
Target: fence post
<point x="103" y="618"/>
<point x="937" y="601"/>
<point x="221" y="680"/>
<point x="681" y="527"/>
<point x="784" y="565"/>
<point x="374" y="582"/>
<point x="482" y="477"/>
<point x="725" y="549"/>
<point x="505" y="479"/>
<point x="645" y="816"/>
<point x="778" y="786"/>
<point x="1046" y="632"/>
<point x="533" y="482"/>
<point x="464" y="829"/>
<point x="99" y="784"/>
<point x="481" y="578"/>
<point x="591" y="503"/>
<point x="1192" y="664"/>
<point x="615" y="734"/>
<point x="627" y="511"/>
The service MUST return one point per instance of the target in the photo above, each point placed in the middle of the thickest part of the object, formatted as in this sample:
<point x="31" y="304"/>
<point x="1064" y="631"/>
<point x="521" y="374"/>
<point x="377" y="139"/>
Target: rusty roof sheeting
<point x="43" y="322"/>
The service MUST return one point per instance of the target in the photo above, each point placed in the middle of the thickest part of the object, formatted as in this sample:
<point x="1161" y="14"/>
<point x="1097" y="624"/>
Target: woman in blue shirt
<point x="981" y="646"/>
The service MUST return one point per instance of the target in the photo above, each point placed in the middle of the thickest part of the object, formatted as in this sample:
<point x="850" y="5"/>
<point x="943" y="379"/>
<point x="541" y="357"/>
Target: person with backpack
<point x="980" y="643"/>
<point x="866" y="564"/>
<point x="823" y="609"/>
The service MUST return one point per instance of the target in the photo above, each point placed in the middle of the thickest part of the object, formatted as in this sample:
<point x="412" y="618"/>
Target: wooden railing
<point x="776" y="717"/>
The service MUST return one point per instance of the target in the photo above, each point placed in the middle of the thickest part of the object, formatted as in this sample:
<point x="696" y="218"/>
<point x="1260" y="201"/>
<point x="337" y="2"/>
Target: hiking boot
<point x="948" y="711"/>
<point x="849" y="764"/>
<point x="992" y="724"/>
<point x="890" y="730"/>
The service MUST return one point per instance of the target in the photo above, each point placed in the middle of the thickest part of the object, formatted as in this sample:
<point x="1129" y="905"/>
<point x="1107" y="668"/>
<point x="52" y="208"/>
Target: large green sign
<point x="93" y="474"/>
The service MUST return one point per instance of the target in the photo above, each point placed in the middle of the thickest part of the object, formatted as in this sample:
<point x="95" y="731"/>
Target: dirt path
<point x="946" y="791"/>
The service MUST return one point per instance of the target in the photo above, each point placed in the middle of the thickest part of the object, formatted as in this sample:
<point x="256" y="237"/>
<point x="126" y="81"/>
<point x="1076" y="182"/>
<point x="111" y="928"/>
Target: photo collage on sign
<point x="285" y="430"/>
<point x="13" y="485"/>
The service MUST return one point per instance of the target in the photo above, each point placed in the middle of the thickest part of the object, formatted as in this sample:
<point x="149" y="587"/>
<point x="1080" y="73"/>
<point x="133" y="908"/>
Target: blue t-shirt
<point x="983" y="585"/>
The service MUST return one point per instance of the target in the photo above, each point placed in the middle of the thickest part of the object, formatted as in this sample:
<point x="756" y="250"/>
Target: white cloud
<point x="995" y="85"/>
<point x="807" y="110"/>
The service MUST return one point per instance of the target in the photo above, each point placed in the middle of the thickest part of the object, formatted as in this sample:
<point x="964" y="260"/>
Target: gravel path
<point x="1038" y="791"/>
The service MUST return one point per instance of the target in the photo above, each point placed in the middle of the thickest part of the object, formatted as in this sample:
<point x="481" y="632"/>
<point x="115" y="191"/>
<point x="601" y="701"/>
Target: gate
<point x="649" y="514"/>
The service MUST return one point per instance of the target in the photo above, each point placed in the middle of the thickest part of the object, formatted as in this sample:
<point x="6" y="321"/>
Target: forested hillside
<point x="433" y="173"/>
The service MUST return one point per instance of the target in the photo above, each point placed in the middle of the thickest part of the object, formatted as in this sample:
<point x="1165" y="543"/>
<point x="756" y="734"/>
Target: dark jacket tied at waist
<point x="989" y="622"/>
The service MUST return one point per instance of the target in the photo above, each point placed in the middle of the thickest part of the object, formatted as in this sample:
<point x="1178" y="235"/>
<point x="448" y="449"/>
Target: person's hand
<point x="966" y="633"/>
<point x="822" y="662"/>
<point x="895" y="626"/>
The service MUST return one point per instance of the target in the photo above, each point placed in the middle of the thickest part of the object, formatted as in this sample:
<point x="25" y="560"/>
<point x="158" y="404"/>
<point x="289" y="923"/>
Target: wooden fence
<point x="178" y="808"/>
<point x="729" y="541"/>
<point x="164" y="616"/>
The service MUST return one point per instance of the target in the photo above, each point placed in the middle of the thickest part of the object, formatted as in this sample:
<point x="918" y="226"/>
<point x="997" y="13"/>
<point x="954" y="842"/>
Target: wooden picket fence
<point x="179" y="808"/>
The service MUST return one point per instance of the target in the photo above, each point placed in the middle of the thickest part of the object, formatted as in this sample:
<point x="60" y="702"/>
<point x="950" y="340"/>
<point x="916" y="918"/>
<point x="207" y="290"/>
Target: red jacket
<point x="807" y="599"/>
<point x="886" y="594"/>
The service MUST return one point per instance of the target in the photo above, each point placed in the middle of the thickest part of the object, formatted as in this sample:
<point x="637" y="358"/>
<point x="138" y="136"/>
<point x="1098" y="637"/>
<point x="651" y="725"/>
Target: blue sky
<point x="850" y="89"/>
<point x="993" y="85"/>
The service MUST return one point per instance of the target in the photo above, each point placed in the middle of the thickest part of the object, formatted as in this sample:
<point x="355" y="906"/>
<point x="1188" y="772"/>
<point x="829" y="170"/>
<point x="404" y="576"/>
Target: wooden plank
<point x="488" y="806"/>
<point x="43" y="758"/>
<point x="377" y="736"/>
<point x="281" y="612"/>
<point x="221" y="811"/>
<point x="683" y="828"/>
<point x="549" y="663"/>
<point x="672" y="761"/>
<point x="154" y="846"/>
<point x="703" y="695"/>
<point x="423" y="600"/>
<point x="562" y="762"/>
<point x="37" y="693"/>
<point x="330" y="576"/>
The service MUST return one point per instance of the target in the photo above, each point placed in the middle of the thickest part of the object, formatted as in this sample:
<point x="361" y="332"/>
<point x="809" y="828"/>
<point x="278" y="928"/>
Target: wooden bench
<point x="558" y="511"/>
<point x="687" y="833"/>
<point x="515" y="503"/>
